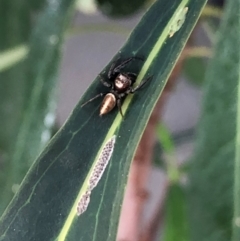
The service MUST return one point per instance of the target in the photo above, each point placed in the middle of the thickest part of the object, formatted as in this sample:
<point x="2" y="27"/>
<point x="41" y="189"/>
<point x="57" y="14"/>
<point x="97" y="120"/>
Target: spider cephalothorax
<point x="120" y="85"/>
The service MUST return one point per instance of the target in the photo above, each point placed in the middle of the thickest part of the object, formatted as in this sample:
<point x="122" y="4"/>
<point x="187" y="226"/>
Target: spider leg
<point x="105" y="83"/>
<point x="110" y="72"/>
<point x="116" y="69"/>
<point x="95" y="97"/>
<point x="132" y="76"/>
<point x="119" y="105"/>
<point x="132" y="90"/>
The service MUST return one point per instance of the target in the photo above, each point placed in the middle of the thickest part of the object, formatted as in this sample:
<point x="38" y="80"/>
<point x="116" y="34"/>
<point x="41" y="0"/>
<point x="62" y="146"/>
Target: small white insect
<point x="83" y="203"/>
<point x="102" y="163"/>
<point x="96" y="174"/>
<point x="178" y="21"/>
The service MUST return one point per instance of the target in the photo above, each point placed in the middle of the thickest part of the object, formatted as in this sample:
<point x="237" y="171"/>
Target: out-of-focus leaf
<point x="176" y="225"/>
<point x="60" y="184"/>
<point x="164" y="145"/>
<point x="211" y="20"/>
<point x="218" y="3"/>
<point x="116" y="8"/>
<point x="212" y="172"/>
<point x="157" y="158"/>
<point x="194" y="69"/>
<point x="11" y="57"/>
<point x="14" y="31"/>
<point x="164" y="137"/>
<point x="28" y="96"/>
<point x="87" y="6"/>
<point x="37" y="5"/>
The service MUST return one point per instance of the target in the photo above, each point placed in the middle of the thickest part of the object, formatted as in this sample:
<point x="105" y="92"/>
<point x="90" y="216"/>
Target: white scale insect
<point x="178" y="21"/>
<point x="96" y="174"/>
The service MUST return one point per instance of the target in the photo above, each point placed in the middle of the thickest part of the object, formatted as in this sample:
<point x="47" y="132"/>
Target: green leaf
<point x="10" y="57"/>
<point x="115" y="8"/>
<point x="194" y="69"/>
<point x="28" y="96"/>
<point x="176" y="225"/>
<point x="157" y="158"/>
<point x="61" y="180"/>
<point x="165" y="138"/>
<point x="14" y="31"/>
<point x="212" y="172"/>
<point x="211" y="20"/>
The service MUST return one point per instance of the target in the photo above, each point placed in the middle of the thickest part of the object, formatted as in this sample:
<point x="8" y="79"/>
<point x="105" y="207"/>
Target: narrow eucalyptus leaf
<point x="194" y="69"/>
<point x="56" y="197"/>
<point x="28" y="95"/>
<point x="14" y="33"/>
<point x="212" y="171"/>
<point x="176" y="225"/>
<point x="11" y="57"/>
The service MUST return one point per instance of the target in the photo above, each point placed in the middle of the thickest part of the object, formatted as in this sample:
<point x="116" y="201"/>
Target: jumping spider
<point x="121" y="84"/>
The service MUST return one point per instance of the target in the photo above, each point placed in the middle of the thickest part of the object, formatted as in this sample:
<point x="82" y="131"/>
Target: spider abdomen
<point x="108" y="104"/>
